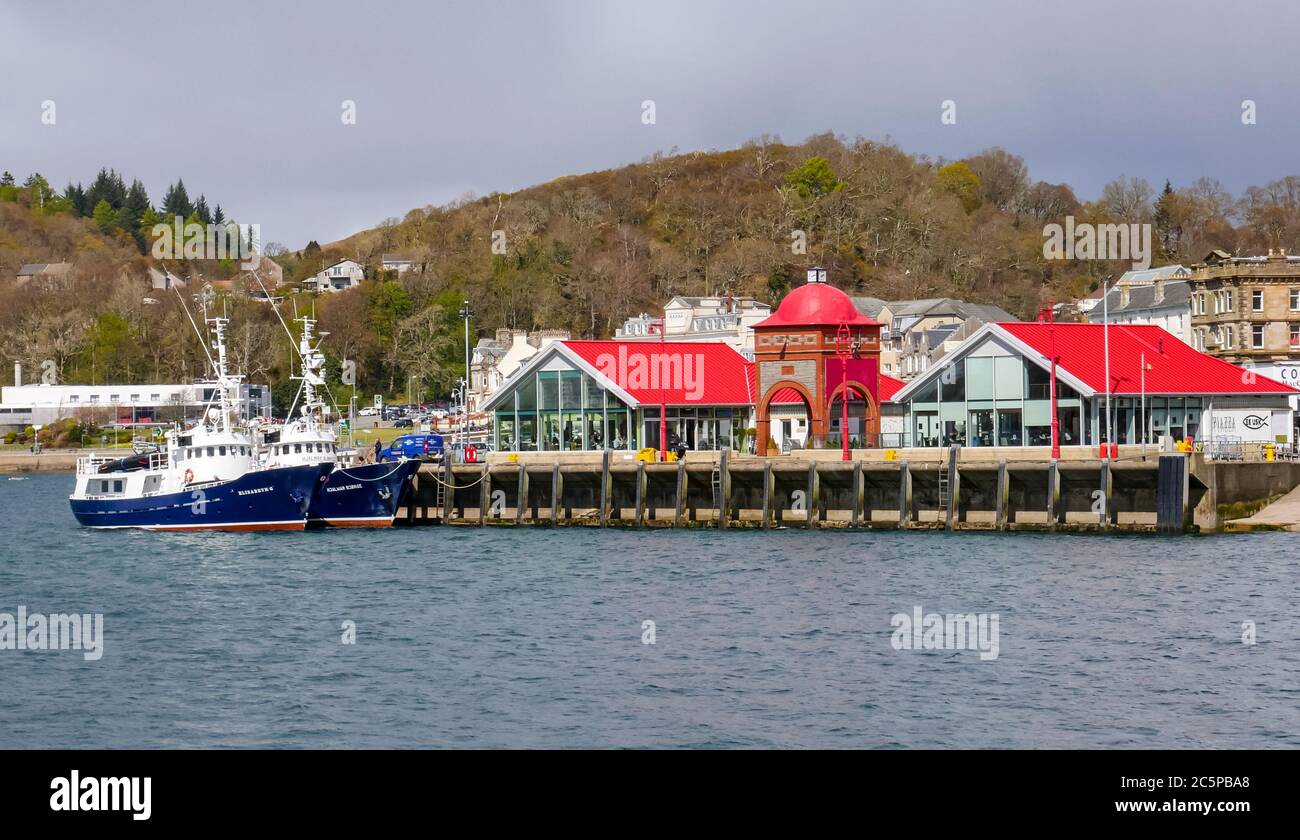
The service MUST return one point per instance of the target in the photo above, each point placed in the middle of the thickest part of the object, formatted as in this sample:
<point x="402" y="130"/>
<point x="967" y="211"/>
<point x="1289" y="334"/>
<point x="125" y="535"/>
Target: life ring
<point x="471" y="455"/>
<point x="189" y="476"/>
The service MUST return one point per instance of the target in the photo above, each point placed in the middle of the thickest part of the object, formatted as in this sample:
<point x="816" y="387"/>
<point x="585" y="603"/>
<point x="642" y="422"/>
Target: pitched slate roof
<point x="1177" y="295"/>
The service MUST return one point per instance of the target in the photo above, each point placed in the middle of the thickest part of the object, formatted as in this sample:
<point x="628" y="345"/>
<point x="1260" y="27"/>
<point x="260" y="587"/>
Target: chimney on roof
<point x="18" y="374"/>
<point x="1159" y="286"/>
<point x="1123" y="296"/>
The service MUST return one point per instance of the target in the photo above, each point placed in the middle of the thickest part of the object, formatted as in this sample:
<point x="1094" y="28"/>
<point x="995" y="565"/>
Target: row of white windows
<point x="212" y="452"/>
<point x="1223" y="301"/>
<point x="113" y="399"/>
<point x="1227" y="336"/>
<point x="299" y="448"/>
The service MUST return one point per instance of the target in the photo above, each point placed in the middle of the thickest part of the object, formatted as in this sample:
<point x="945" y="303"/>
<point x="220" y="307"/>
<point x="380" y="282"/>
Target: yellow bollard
<point x="1270" y="452"/>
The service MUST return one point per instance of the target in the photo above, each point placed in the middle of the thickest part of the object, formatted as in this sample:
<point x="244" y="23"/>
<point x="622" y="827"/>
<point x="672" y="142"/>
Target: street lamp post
<point x="465" y="313"/>
<point x="843" y="349"/>
<point x="1056" y="419"/>
<point x="663" y="405"/>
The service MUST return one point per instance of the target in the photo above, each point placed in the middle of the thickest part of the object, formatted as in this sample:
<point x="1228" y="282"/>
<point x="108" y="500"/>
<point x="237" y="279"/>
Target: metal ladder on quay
<point x="717" y="494"/>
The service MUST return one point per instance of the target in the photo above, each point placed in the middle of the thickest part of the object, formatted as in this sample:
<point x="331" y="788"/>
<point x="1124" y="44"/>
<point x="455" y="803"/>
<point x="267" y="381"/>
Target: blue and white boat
<point x="203" y="478"/>
<point x="353" y="495"/>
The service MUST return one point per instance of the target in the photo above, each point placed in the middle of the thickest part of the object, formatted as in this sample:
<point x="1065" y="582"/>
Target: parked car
<point x="403" y="423"/>
<point x="418" y="445"/>
<point x="368" y="411"/>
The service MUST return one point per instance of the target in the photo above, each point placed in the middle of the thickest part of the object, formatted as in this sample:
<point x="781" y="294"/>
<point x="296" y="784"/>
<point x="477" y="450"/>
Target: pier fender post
<point x="767" y="494"/>
<point x="681" y="494"/>
<point x="904" y="494"/>
<point x="1107" y="489"/>
<point x="484" y="494"/>
<point x="557" y="492"/>
<point x="411" y="497"/>
<point x="814" y="488"/>
<point x="724" y="489"/>
<point x="604" y="488"/>
<point x="857" y="495"/>
<point x="1172" y="484"/>
<point x="1053" y="495"/>
<point x="449" y="491"/>
<point x="1003" y="494"/>
<point x="953" y="514"/>
<point x="640" y="493"/>
<point x="521" y="500"/>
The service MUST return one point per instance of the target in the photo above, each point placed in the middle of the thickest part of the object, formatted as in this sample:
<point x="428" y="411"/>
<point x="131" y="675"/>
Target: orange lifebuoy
<point x="189" y="476"/>
<point x="471" y="455"/>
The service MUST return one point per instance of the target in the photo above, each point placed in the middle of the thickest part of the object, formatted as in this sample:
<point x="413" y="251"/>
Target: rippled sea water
<point x="497" y="637"/>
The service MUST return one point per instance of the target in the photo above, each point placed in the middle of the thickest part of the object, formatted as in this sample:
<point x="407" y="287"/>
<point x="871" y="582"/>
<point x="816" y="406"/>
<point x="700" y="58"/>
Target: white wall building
<point x="497" y="359"/>
<point x="27" y="405"/>
<point x="726" y="319"/>
<point x="1158" y="297"/>
<point x="342" y="275"/>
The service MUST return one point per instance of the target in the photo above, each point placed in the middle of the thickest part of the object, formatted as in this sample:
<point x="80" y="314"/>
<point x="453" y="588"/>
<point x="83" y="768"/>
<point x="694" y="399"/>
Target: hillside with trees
<point x="587" y="251"/>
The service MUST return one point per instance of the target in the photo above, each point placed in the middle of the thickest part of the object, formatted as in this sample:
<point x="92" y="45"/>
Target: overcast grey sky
<point x="243" y="99"/>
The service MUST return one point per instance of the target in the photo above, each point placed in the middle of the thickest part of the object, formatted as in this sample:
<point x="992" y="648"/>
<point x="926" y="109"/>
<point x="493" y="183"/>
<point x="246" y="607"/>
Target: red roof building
<point x="1173" y="367"/>
<point x="994" y="390"/>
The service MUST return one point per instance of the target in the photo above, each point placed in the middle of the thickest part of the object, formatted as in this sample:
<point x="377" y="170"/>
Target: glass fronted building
<point x="584" y="395"/>
<point x="995" y="390"/>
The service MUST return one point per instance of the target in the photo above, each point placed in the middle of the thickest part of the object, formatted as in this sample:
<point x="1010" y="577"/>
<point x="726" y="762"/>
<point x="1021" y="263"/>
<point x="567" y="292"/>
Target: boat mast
<point x="225" y="381"/>
<point x="313" y="366"/>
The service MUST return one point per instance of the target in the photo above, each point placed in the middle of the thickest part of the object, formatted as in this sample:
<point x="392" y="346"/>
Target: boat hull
<point x="266" y="500"/>
<point x="365" y="496"/>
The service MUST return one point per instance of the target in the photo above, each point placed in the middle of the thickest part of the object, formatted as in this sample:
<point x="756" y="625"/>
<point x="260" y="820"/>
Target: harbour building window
<point x="1257" y="300"/>
<point x="1257" y="336"/>
<point x="561" y="410"/>
<point x="993" y="401"/>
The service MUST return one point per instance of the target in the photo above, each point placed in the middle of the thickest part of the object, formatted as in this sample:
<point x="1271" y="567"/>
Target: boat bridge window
<point x="221" y="450"/>
<point x="211" y="451"/>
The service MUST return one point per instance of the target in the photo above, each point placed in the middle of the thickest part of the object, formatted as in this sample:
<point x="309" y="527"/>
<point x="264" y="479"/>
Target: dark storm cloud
<point x="243" y="99"/>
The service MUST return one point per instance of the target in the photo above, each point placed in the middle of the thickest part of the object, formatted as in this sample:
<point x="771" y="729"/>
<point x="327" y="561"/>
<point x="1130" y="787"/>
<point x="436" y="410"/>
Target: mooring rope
<point x="395" y="468"/>
<point x="434" y="476"/>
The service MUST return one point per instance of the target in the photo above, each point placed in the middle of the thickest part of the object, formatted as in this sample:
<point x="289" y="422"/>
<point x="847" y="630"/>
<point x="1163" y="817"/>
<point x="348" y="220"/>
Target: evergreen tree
<point x="177" y="201"/>
<point x="1167" y="233"/>
<point x="107" y="186"/>
<point x="218" y="216"/>
<point x="105" y="217"/>
<point x="201" y="210"/>
<point x="76" y="197"/>
<point x="7" y="179"/>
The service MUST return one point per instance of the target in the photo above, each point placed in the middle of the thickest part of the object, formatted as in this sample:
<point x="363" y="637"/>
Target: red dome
<point x="816" y="304"/>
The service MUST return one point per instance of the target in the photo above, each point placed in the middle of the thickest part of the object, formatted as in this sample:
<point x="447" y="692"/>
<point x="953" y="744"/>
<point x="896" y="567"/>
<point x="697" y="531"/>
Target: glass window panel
<point x="595" y="395"/>
<point x="550" y="430"/>
<point x="1009" y="376"/>
<point x="526" y="394"/>
<point x="952" y="382"/>
<point x="527" y="432"/>
<point x="979" y="379"/>
<point x="571" y="390"/>
<point x="548" y="384"/>
<point x="1009" y="425"/>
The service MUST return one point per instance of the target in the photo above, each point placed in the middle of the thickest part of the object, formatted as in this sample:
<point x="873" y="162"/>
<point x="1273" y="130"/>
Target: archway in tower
<point x="863" y="420"/>
<point x="791" y="421"/>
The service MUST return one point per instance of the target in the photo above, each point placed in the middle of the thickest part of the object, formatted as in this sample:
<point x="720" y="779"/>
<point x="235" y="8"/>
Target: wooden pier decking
<point x="933" y="489"/>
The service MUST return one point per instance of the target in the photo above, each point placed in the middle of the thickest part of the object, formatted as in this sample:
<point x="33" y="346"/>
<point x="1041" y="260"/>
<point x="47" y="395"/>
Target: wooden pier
<point x="932" y="489"/>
